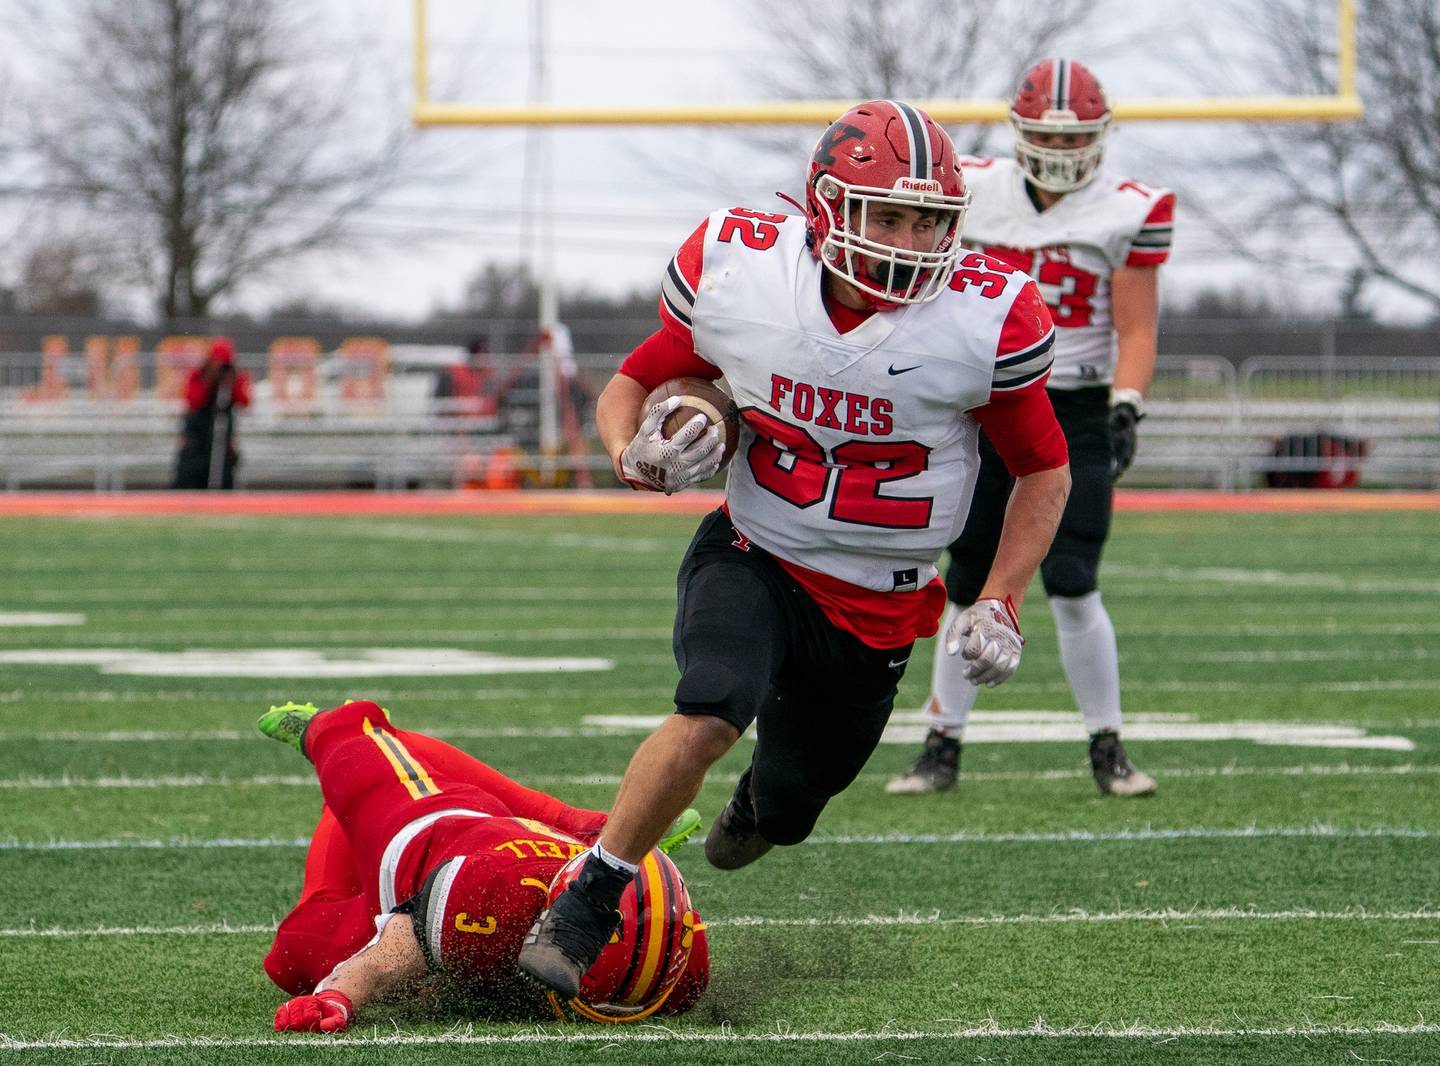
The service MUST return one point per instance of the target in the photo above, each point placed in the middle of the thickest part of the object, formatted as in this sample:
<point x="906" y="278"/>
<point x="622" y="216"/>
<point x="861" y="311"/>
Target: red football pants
<point x="375" y="780"/>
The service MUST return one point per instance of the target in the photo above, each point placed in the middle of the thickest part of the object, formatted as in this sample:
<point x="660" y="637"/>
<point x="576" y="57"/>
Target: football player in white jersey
<point x="865" y="350"/>
<point x="1094" y="242"/>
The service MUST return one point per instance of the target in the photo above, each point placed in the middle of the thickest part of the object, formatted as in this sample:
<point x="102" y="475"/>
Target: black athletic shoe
<point x="934" y="771"/>
<point x="1115" y="774"/>
<point x="733" y="841"/>
<point x="568" y="936"/>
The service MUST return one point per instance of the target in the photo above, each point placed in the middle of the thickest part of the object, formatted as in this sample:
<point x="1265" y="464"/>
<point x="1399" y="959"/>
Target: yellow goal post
<point x="1343" y="105"/>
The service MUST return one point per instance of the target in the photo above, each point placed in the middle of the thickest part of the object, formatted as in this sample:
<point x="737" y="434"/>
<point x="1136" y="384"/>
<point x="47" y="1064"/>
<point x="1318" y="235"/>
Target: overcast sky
<point x="626" y="196"/>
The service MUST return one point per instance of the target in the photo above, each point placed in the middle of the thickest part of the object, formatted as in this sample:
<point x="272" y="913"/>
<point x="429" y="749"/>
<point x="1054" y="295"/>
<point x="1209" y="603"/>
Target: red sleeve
<point x="242" y="389"/>
<point x="682" y="278"/>
<point x="1151" y="245"/>
<point x="666" y="354"/>
<point x="1021" y="424"/>
<point x="1023" y="356"/>
<point x="196" y="391"/>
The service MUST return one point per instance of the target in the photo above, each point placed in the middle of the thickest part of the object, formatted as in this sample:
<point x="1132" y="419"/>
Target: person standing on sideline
<point x="1094" y="242"/>
<point x="473" y="387"/>
<point x="208" y="455"/>
<point x="864" y="351"/>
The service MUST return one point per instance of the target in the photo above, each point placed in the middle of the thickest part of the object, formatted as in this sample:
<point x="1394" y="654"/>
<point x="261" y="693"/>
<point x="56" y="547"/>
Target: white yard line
<point x="429" y="594"/>
<point x="936" y="918"/>
<point x="658" y="1034"/>
<point x="21" y="784"/>
<point x="304" y="664"/>
<point x="41" y="618"/>
<point x="1025" y="727"/>
<point x="1086" y="836"/>
<point x="1065" y="836"/>
<point x="1285" y="579"/>
<point x="123" y="736"/>
<point x="1422" y="684"/>
<point x="258" y="699"/>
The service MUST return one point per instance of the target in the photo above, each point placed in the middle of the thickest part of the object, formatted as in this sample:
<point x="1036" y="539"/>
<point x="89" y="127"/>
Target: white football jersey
<point x="857" y="458"/>
<point x="1070" y="249"/>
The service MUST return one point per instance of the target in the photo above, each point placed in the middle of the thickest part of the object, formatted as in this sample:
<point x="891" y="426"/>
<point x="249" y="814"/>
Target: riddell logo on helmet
<point x="917" y="185"/>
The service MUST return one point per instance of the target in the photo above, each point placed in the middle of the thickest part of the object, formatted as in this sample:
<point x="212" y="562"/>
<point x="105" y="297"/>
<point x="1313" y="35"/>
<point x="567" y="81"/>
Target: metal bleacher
<point x="1211" y="423"/>
<point x="1217" y="425"/>
<point x="111" y="450"/>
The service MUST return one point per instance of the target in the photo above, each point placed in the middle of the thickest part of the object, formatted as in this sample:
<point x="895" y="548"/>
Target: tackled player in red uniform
<point x="865" y="350"/>
<point x="428" y="867"/>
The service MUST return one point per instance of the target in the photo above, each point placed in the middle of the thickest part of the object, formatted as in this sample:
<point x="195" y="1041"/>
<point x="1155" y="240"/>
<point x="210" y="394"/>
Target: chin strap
<point x="790" y="200"/>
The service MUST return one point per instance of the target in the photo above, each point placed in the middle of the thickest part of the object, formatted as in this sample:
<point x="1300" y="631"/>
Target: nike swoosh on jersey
<point x="904" y="369"/>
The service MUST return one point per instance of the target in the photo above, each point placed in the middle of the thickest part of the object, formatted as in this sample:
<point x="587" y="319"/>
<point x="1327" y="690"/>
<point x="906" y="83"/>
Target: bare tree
<point x="61" y="275"/>
<point x="913" y="49"/>
<point x="860" y="50"/>
<point x="1366" y="192"/>
<point x="212" y="142"/>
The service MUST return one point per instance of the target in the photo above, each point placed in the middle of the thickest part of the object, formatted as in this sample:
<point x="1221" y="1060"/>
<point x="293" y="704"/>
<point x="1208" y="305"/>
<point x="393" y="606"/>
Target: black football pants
<point x="1072" y="566"/>
<point x="752" y="646"/>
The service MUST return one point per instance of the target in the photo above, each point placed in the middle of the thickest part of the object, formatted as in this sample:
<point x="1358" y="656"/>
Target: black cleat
<point x="1115" y="774"/>
<point x="934" y="771"/>
<point x="734" y="841"/>
<point x="569" y="935"/>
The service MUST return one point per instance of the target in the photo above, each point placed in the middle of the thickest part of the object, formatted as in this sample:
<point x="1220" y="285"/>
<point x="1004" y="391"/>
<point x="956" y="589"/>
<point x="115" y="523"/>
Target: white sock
<point x="951" y="696"/>
<point x="614" y="861"/>
<point x="1090" y="658"/>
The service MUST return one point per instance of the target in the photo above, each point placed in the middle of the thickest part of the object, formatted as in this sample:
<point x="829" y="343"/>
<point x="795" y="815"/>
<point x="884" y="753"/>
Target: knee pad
<point x="713" y="687"/>
<point x="1064" y="574"/>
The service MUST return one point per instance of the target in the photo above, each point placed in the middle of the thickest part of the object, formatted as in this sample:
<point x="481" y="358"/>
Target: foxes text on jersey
<point x="1070" y="249"/>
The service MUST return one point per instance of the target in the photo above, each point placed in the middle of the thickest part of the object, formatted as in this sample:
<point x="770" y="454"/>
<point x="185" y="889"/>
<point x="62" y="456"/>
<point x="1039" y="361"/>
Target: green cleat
<point x="286" y="723"/>
<point x="681" y="830"/>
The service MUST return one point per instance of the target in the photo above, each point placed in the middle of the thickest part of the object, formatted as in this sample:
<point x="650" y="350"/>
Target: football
<point x="699" y="396"/>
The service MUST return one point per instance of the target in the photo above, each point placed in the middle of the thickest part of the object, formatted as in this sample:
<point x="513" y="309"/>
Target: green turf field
<point x="1277" y="902"/>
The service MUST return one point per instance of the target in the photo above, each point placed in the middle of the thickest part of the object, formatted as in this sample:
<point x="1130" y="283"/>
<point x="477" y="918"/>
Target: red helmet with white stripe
<point x="885" y="153"/>
<point x="1060" y="117"/>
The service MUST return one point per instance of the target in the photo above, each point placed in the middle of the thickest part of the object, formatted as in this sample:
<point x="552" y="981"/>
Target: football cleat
<point x="681" y="830"/>
<point x="1115" y="774"/>
<point x="286" y="723"/>
<point x="934" y="771"/>
<point x="567" y="938"/>
<point x="734" y="841"/>
<point x="645" y="958"/>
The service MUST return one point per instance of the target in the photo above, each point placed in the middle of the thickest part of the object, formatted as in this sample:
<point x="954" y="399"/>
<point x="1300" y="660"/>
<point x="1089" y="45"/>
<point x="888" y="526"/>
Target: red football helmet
<point x="1059" y="96"/>
<point x="890" y="153"/>
<point x="649" y="953"/>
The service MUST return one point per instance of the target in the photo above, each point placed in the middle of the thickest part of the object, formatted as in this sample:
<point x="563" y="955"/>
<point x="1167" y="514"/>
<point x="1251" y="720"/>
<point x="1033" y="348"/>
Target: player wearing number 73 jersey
<point x="865" y="351"/>
<point x="1094" y="242"/>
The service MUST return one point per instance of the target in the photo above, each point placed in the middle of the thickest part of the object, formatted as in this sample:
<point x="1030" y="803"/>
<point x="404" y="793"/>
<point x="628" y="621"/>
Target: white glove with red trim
<point x="657" y="464"/>
<point x="324" y="1012"/>
<point x="987" y="634"/>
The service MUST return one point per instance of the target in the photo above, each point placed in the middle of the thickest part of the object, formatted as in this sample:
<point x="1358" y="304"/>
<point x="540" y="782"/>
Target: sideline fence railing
<point x="1212" y="423"/>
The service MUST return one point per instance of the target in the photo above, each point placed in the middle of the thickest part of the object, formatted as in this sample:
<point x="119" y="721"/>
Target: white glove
<point x="986" y="634"/>
<point x="652" y="462"/>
